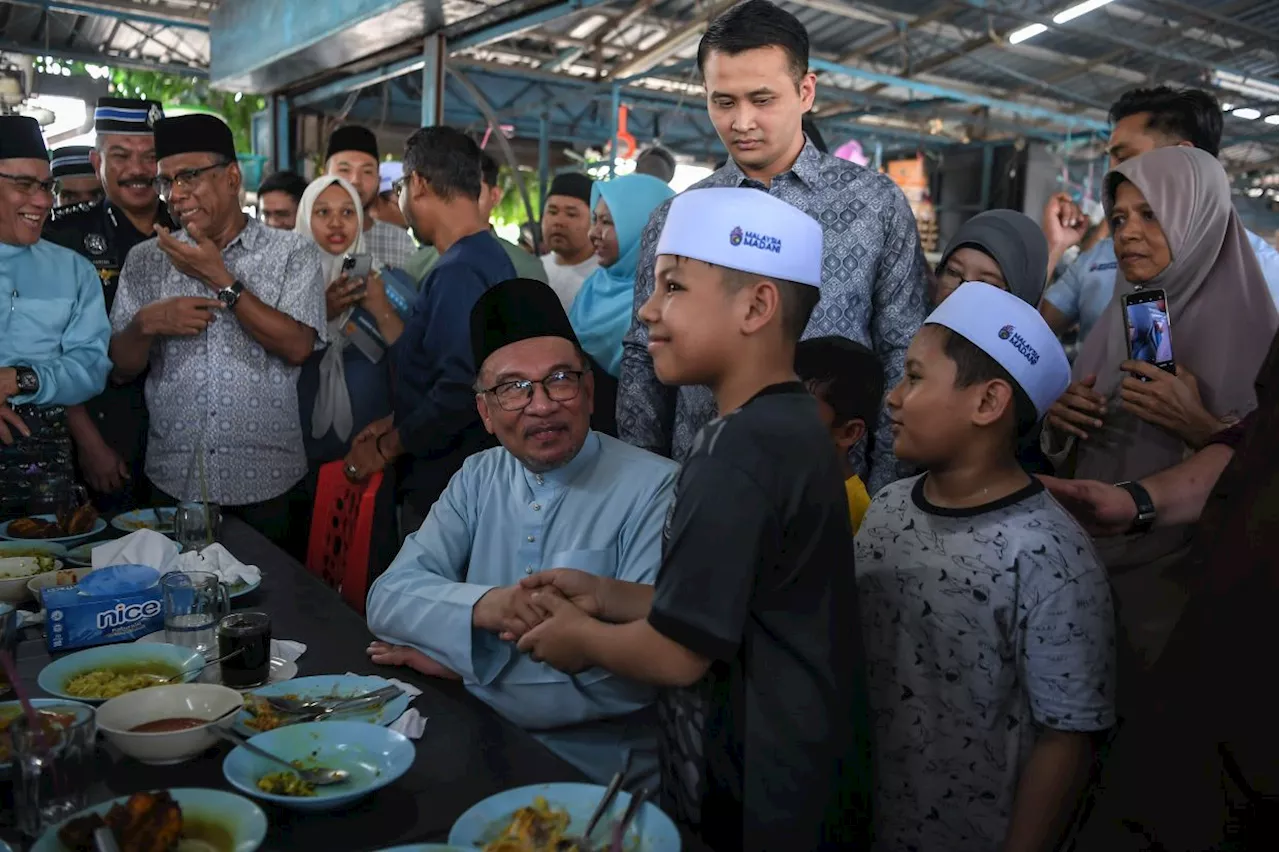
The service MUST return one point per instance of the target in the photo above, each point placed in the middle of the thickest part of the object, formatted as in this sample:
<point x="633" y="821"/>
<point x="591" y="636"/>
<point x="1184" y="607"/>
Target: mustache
<point x="137" y="180"/>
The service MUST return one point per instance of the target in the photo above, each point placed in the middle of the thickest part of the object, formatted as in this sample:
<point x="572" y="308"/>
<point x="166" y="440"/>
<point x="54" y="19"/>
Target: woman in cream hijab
<point x="1175" y="229"/>
<point x="340" y="391"/>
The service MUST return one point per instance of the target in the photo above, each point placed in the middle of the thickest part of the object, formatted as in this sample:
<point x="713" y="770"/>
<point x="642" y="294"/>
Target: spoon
<point x="318" y="777"/>
<point x="181" y="676"/>
<point x="301" y="706"/>
<point x="610" y="793"/>
<point x="633" y="808"/>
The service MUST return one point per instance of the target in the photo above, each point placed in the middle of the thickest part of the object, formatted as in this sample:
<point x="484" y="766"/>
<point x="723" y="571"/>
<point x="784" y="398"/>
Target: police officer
<point x="78" y="182"/>
<point x="110" y="430"/>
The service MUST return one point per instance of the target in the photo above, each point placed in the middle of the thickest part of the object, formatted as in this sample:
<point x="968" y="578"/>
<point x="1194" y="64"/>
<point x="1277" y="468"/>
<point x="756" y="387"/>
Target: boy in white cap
<point x="753" y="622"/>
<point x="986" y="612"/>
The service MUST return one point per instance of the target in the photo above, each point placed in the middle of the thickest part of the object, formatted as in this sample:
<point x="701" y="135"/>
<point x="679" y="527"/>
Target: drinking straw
<point x="33" y="718"/>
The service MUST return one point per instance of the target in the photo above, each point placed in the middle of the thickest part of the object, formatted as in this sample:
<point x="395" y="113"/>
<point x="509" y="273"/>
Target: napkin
<point x="411" y="723"/>
<point x="218" y="560"/>
<point x="287" y="649"/>
<point x="143" y="547"/>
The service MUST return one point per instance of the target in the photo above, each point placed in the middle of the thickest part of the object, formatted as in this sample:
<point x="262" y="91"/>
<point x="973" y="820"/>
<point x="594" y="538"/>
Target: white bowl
<point x="49" y="579"/>
<point x="14" y="589"/>
<point x="118" y="717"/>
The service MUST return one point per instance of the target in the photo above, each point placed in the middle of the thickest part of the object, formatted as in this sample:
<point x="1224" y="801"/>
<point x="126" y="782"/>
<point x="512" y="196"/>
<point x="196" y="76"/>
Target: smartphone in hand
<point x="1148" y="329"/>
<point x="357" y="268"/>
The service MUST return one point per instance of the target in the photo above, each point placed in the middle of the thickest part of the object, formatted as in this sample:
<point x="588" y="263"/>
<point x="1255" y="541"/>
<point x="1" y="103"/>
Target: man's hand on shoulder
<point x="508" y="611"/>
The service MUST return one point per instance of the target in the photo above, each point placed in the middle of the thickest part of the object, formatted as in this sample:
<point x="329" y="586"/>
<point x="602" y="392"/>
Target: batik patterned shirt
<point x="983" y="627"/>
<point x="873" y="291"/>
<point x="220" y="393"/>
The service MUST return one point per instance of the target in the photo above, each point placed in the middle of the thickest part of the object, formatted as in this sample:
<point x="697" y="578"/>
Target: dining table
<point x="466" y="753"/>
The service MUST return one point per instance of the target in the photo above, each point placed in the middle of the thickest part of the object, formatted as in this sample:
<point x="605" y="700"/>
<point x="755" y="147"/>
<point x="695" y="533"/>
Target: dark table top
<point x="466" y="753"/>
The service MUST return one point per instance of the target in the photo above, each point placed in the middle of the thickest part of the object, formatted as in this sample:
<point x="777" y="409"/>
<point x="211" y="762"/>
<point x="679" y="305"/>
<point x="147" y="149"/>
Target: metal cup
<point x="193" y="604"/>
<point x="53" y="768"/>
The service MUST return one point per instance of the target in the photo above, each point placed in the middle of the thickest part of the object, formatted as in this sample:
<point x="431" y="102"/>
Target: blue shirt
<point x="1083" y="292"/>
<point x="53" y="320"/>
<point x="435" y="373"/>
<point x="497" y="523"/>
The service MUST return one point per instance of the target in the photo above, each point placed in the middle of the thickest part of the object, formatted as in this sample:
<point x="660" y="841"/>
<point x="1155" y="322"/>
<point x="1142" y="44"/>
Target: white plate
<point x="281" y="669"/>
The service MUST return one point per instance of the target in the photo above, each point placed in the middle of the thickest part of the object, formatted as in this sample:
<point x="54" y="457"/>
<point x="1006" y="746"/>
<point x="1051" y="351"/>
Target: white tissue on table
<point x="218" y="560"/>
<point x="143" y="547"/>
<point x="411" y="723"/>
<point x="409" y="689"/>
<point x="287" y="649"/>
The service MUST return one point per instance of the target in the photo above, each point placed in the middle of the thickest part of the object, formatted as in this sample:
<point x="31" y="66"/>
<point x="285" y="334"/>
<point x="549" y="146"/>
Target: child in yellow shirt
<point x="847" y="380"/>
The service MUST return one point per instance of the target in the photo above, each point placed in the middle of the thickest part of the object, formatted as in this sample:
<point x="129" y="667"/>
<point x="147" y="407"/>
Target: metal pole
<point x="879" y="155"/>
<point x="988" y="165"/>
<point x="613" y="122"/>
<point x="281" y="143"/>
<point x="544" y="157"/>
<point x="433" y="54"/>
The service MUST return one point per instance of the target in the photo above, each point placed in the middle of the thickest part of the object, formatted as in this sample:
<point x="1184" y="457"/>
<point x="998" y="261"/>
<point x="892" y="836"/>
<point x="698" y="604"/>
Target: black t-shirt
<point x="770" y="749"/>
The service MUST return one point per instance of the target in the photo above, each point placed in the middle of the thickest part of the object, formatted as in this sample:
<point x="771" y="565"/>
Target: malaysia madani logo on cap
<point x="154" y="114"/>
<point x="735" y="237"/>
<point x="1006" y="332"/>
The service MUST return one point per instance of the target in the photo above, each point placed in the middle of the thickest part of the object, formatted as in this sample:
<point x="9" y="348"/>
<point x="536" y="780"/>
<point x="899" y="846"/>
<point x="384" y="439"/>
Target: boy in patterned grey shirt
<point x="985" y="611"/>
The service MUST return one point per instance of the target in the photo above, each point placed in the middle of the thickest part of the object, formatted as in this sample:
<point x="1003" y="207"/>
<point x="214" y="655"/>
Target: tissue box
<point x="74" y="619"/>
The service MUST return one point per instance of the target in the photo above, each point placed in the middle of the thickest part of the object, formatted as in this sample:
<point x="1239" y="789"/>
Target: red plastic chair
<point x="342" y="533"/>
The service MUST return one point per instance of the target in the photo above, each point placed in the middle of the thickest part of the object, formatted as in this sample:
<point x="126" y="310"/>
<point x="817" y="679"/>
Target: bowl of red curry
<point x="163" y="725"/>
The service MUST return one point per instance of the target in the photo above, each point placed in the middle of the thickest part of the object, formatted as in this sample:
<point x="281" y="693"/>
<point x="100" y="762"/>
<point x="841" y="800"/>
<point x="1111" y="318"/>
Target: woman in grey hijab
<point x="1175" y="228"/>
<point x="1003" y="248"/>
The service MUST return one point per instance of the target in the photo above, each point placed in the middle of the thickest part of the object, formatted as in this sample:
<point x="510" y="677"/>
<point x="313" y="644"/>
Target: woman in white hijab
<point x="340" y="391"/>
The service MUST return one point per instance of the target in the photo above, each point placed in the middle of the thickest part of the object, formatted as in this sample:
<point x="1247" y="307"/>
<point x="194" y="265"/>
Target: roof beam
<point x="1077" y="27"/>
<point x="508" y="19"/>
<point x="1025" y="110"/>
<point x="90" y="57"/>
<point x="144" y="14"/>
<point x="674" y="41"/>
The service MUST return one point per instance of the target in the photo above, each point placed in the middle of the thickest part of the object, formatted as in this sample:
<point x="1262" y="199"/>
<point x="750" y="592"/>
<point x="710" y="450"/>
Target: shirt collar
<point x="7" y="250"/>
<point x="565" y="474"/>
<point x="807" y="167"/>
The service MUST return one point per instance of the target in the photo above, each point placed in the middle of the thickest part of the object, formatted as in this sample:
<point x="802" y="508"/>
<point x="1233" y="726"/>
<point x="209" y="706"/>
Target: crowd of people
<point x="837" y="549"/>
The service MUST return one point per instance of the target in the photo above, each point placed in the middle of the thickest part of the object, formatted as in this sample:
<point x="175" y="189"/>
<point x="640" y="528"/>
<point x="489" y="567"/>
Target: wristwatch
<point x="228" y="296"/>
<point x="28" y="381"/>
<point x="1146" y="508"/>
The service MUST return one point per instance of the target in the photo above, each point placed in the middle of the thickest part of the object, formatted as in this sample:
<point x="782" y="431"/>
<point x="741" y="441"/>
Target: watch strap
<point x="1146" y="506"/>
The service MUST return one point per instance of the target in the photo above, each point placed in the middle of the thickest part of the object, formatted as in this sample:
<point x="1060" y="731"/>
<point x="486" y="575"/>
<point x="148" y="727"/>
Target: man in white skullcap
<point x="752" y="624"/>
<point x="986" y="612"/>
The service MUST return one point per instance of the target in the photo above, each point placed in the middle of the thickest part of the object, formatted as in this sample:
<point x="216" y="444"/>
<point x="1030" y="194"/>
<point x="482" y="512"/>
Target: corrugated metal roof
<point x="1074" y="71"/>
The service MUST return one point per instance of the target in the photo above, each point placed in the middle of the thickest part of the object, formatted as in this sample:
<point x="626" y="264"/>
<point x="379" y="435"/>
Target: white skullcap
<point x="1011" y="332"/>
<point x="745" y="229"/>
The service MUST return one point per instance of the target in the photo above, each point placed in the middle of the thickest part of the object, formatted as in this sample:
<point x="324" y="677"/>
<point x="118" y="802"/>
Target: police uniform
<point x="102" y="233"/>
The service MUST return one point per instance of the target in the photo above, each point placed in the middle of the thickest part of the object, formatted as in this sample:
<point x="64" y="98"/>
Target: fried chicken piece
<point x="148" y="822"/>
<point x="81" y="520"/>
<point x="33" y="528"/>
<point x="77" y="835"/>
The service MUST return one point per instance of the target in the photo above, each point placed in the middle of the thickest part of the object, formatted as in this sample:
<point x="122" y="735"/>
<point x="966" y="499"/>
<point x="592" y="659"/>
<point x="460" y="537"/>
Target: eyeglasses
<point x="184" y="179"/>
<point x="397" y="186"/>
<point x="561" y="386"/>
<point x="28" y="185"/>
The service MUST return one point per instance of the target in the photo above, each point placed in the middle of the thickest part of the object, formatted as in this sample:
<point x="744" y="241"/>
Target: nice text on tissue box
<point x="74" y="620"/>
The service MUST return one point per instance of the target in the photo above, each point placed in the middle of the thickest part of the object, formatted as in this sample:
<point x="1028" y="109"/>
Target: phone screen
<point x="1146" y="318"/>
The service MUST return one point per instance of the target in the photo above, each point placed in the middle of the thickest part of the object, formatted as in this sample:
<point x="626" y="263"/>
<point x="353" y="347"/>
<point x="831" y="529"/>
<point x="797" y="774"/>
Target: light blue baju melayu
<point x="496" y="523"/>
